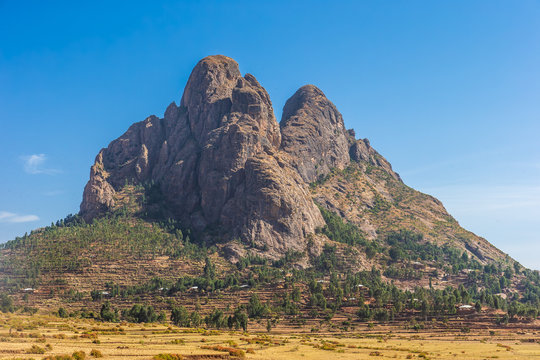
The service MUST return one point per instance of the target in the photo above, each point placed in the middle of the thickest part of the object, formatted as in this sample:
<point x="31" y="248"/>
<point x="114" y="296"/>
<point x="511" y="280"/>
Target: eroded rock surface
<point x="313" y="134"/>
<point x="216" y="160"/>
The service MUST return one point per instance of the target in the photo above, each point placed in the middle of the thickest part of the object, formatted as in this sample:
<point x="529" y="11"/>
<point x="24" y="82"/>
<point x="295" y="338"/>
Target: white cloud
<point x="5" y="215"/>
<point x="9" y="217"/>
<point x="24" y="218"/>
<point x="34" y="164"/>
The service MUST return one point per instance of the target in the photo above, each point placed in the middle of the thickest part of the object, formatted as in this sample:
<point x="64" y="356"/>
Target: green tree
<point x="62" y="313"/>
<point x="180" y="317"/>
<point x="395" y="253"/>
<point x="209" y="269"/>
<point x="6" y="303"/>
<point x="240" y="318"/>
<point x="478" y="306"/>
<point x="107" y="313"/>
<point x="216" y="319"/>
<point x="364" y="312"/>
<point x="142" y="313"/>
<point x="268" y="325"/>
<point x="195" y="319"/>
<point x="255" y="308"/>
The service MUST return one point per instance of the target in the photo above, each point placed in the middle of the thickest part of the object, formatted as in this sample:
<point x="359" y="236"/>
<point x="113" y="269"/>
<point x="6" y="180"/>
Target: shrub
<point x="168" y="357"/>
<point x="237" y="352"/>
<point x="62" y="313"/>
<point x="35" y="349"/>
<point x="58" y="357"/>
<point x="96" y="353"/>
<point x="232" y="351"/>
<point x="79" y="355"/>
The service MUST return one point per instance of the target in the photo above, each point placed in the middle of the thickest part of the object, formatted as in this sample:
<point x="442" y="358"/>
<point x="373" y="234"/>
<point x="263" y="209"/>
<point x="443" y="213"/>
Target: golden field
<point x="43" y="336"/>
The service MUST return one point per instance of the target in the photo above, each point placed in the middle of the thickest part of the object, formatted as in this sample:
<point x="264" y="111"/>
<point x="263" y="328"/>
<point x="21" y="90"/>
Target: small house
<point x="465" y="309"/>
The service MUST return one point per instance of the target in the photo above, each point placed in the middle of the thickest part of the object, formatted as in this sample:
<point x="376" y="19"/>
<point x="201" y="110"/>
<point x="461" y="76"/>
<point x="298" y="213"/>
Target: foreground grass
<point x="39" y="337"/>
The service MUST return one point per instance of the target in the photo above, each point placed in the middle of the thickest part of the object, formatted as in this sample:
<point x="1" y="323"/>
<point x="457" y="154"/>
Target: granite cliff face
<point x="226" y="169"/>
<point x="313" y="133"/>
<point x="217" y="160"/>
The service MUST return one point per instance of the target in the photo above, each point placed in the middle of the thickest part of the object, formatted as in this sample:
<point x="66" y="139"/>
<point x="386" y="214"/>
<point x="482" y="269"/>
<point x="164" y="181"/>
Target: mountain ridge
<point x="223" y="163"/>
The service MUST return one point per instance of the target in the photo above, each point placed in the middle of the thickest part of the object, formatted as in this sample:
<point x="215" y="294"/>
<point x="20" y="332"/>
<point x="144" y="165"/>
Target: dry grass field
<point x="42" y="336"/>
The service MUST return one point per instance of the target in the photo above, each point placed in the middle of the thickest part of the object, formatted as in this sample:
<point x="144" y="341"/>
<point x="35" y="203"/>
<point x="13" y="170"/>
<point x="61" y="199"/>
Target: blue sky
<point x="447" y="91"/>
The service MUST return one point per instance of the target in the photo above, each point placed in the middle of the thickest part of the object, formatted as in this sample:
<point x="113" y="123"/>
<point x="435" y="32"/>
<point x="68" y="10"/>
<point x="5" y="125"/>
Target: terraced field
<point x="43" y="336"/>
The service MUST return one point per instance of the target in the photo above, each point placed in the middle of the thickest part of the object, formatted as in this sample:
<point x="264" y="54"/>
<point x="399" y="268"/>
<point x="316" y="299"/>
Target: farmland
<point x="44" y="336"/>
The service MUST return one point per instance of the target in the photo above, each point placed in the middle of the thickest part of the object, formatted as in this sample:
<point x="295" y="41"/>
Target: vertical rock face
<point x="98" y="194"/>
<point x="208" y="94"/>
<point x="313" y="134"/>
<point x="216" y="160"/>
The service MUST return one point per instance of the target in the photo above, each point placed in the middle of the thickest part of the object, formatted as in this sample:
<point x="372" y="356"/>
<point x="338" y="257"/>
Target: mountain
<point x="216" y="159"/>
<point x="224" y="168"/>
<point x="218" y="201"/>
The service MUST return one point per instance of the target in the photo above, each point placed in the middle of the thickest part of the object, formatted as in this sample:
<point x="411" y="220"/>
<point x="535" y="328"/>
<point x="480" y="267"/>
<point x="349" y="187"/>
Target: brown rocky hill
<point x="222" y="165"/>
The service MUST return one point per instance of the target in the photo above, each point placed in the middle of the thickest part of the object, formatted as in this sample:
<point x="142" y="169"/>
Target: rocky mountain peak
<point x="313" y="133"/>
<point x="216" y="95"/>
<point x="222" y="165"/>
<point x="208" y="92"/>
<point x="216" y="161"/>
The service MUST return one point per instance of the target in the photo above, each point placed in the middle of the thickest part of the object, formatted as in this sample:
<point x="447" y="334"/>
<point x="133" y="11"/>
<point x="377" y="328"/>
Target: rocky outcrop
<point x="361" y="150"/>
<point x="223" y="165"/>
<point x="217" y="162"/>
<point x="313" y="134"/>
<point x="98" y="195"/>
